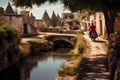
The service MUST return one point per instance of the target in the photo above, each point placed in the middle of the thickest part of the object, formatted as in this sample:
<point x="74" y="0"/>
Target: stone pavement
<point x="94" y="66"/>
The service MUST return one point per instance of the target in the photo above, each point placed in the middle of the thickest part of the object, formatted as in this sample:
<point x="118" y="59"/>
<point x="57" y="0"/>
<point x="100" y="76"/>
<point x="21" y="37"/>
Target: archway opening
<point x="62" y="44"/>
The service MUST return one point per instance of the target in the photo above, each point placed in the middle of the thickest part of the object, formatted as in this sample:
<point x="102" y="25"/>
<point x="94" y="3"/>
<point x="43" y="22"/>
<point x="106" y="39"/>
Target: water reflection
<point x="42" y="67"/>
<point x="46" y="69"/>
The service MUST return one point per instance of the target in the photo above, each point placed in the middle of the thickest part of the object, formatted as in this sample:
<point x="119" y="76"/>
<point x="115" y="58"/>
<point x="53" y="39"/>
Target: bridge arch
<point x="62" y="43"/>
<point x="62" y="40"/>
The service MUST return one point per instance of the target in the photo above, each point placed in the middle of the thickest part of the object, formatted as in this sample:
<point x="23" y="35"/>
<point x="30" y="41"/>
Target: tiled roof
<point x="9" y="9"/>
<point x="46" y="16"/>
<point x="58" y="16"/>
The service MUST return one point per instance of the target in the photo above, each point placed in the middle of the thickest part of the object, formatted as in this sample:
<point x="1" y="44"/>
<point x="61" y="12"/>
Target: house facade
<point x="20" y="22"/>
<point x="99" y="20"/>
<point x="28" y="25"/>
<point x="40" y="24"/>
<point x="71" y="20"/>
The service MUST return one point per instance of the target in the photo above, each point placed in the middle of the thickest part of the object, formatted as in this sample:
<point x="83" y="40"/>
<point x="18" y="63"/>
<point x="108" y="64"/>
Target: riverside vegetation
<point x="9" y="41"/>
<point x="13" y="49"/>
<point x="70" y="70"/>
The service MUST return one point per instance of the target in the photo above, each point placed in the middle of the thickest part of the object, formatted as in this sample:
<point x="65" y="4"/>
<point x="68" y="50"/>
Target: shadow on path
<point x="94" y="68"/>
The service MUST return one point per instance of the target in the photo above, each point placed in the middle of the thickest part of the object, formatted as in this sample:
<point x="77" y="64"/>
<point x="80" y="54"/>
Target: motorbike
<point x="93" y="35"/>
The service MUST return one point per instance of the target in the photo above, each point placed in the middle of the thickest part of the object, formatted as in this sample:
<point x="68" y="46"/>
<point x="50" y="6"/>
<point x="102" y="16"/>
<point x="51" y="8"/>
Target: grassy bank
<point x="72" y="67"/>
<point x="34" y="46"/>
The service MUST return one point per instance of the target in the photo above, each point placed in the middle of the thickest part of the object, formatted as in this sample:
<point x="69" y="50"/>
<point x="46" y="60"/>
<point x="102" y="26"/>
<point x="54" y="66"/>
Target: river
<point x="39" y="67"/>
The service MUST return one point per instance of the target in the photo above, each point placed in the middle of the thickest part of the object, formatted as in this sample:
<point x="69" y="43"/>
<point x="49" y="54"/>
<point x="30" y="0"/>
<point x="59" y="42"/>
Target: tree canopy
<point x="74" y="5"/>
<point x="1" y="10"/>
<point x="96" y="5"/>
<point x="110" y="8"/>
<point x="30" y="3"/>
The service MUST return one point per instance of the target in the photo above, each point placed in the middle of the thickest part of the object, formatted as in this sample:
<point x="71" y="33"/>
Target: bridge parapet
<point x="67" y="38"/>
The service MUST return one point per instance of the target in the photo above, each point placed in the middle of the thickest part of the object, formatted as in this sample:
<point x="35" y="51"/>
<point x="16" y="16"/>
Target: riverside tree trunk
<point x="109" y="21"/>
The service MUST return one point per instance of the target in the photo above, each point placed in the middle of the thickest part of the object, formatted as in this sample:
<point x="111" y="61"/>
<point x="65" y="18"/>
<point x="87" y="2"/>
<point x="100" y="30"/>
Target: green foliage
<point x="11" y="33"/>
<point x="94" y="5"/>
<point x="80" y="46"/>
<point x="7" y="33"/>
<point x="71" y="71"/>
<point x="1" y="10"/>
<point x="30" y="3"/>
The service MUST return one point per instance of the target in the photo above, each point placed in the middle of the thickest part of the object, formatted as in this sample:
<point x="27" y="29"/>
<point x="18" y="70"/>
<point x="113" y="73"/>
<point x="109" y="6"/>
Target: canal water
<point x="39" y="67"/>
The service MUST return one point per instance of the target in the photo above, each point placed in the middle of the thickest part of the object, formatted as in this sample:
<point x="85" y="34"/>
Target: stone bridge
<point x="63" y="40"/>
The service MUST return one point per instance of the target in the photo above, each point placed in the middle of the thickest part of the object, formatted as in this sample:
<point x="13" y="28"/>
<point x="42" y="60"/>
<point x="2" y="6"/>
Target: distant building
<point x="54" y="20"/>
<point x="22" y="22"/>
<point x="12" y="18"/>
<point x="40" y="24"/>
<point x="70" y="20"/>
<point x="28" y="24"/>
<point x="47" y="19"/>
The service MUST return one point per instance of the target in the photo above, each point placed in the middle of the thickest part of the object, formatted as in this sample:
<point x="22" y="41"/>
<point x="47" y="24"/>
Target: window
<point x="10" y="18"/>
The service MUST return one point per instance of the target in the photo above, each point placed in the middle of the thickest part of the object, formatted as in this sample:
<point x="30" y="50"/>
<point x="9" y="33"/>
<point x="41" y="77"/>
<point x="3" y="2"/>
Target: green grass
<point x="71" y="68"/>
<point x="27" y="47"/>
<point x="80" y="46"/>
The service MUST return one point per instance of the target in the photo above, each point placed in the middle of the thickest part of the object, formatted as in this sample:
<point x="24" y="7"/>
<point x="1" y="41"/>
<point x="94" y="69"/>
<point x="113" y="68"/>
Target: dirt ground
<point x="94" y="66"/>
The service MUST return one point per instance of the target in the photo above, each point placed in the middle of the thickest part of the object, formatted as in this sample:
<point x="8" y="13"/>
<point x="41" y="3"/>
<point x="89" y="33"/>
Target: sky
<point x="39" y="11"/>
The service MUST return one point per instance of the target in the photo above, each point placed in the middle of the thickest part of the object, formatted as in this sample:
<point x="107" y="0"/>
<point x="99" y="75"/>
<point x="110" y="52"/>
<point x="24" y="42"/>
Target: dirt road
<point x="94" y="66"/>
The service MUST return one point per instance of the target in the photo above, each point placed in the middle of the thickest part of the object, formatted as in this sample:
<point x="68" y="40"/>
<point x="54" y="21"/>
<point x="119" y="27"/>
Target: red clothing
<point x="92" y="28"/>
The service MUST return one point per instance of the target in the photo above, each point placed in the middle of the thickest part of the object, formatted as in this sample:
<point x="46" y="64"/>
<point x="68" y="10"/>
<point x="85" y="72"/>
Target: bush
<point x="7" y="33"/>
<point x="67" y="70"/>
<point x="80" y="46"/>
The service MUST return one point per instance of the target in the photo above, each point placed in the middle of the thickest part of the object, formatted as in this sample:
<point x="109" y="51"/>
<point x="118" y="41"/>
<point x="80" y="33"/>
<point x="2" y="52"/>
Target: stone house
<point x="71" y="20"/>
<point x="22" y="22"/>
<point x="40" y="24"/>
<point x="68" y="19"/>
<point x="55" y="20"/>
<point x="12" y="18"/>
<point x="28" y="24"/>
<point x="47" y="19"/>
<point x="99" y="19"/>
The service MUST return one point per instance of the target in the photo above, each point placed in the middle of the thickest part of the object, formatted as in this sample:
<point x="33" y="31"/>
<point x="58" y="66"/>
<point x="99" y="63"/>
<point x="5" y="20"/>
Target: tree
<point x="30" y="3"/>
<point x="110" y="8"/>
<point x="1" y="10"/>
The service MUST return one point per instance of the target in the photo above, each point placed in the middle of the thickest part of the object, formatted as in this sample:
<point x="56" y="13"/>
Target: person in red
<point x="92" y="29"/>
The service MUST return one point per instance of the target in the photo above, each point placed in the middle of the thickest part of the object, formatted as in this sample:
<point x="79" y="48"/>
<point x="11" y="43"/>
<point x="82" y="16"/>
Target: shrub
<point x="7" y="33"/>
<point x="80" y="46"/>
<point x="72" y="67"/>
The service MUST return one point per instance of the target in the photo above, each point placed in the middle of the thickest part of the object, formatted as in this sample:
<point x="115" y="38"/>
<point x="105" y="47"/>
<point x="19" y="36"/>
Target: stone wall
<point x="114" y="56"/>
<point x="15" y="20"/>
